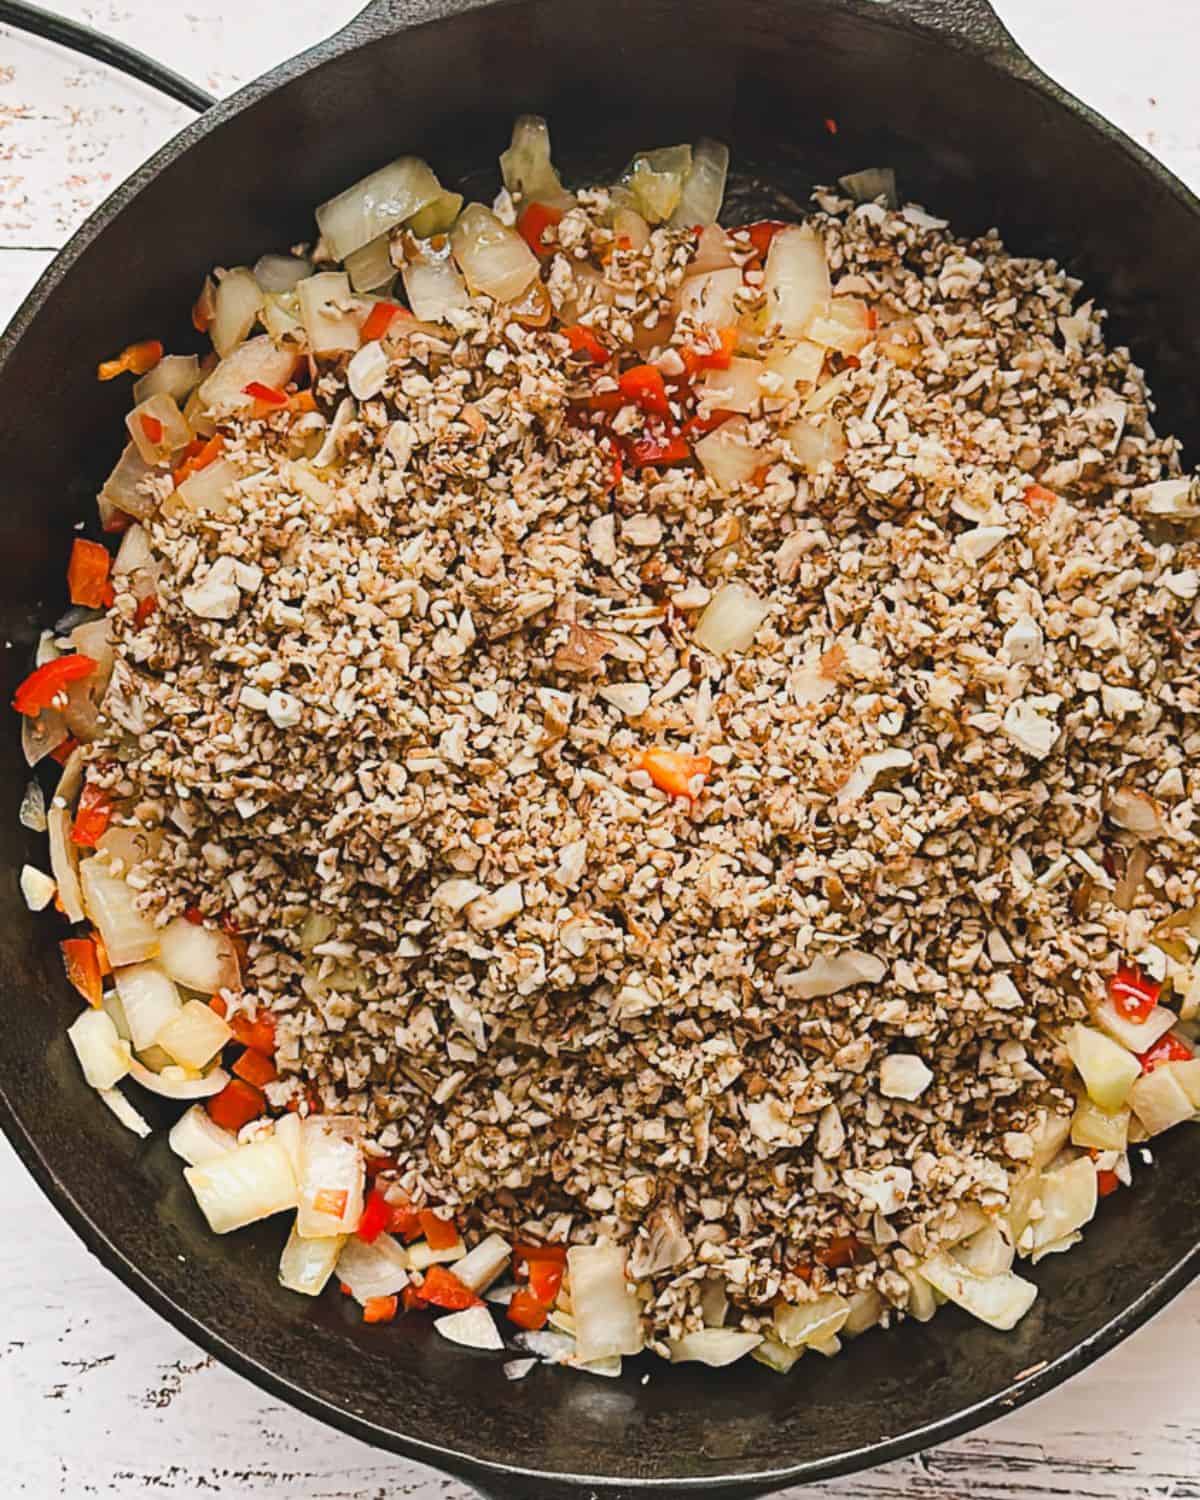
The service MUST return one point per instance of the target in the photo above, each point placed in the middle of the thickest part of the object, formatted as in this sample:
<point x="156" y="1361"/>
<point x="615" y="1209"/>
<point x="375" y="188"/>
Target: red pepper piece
<point x="152" y="427"/>
<point x="258" y="1035"/>
<point x="696" y="357"/>
<point x="40" y="688"/>
<point x="442" y="1288"/>
<point x="83" y="968"/>
<point x="522" y="1252"/>
<point x="1039" y="499"/>
<point x="412" y="1299"/>
<point x="658" y="448"/>
<point x="269" y="395"/>
<point x="441" y="1233"/>
<point x="526" y="1311"/>
<point x="136" y="358"/>
<point x="1133" y="994"/>
<point x="839" y="1252"/>
<point x="583" y="341"/>
<point x="673" y="771"/>
<point x="145" y="608"/>
<point x="255" y="1068"/>
<point x="380" y="1309"/>
<point x="379" y="320"/>
<point x="697" y="426"/>
<point x="87" y="573"/>
<point x="761" y="233"/>
<point x="405" y="1221"/>
<point x="545" y="1280"/>
<point x="645" y="387"/>
<point x="1168" y="1048"/>
<point x="236" y="1105"/>
<point x="376" y="1215"/>
<point x="606" y="401"/>
<point x="1107" y="1182"/>
<point x="533" y="224"/>
<point x="92" y="816"/>
<point x="217" y="1003"/>
<point x="62" y="753"/>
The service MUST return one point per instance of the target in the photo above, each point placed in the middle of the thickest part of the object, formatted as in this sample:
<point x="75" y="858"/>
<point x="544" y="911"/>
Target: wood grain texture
<point x="100" y="1398"/>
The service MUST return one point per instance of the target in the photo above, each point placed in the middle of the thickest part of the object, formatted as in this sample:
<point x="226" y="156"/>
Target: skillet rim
<point x="957" y="25"/>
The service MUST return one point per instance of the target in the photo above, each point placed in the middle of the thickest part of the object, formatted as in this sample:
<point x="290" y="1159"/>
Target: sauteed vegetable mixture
<point x="634" y="776"/>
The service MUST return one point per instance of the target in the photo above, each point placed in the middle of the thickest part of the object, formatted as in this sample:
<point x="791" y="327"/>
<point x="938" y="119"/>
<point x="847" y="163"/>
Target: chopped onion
<point x="422" y="1255"/>
<point x="988" y="1252"/>
<point x="922" y="1304"/>
<point x="173" y="1082"/>
<point x="815" y="445"/>
<point x="607" y="1312"/>
<point x="332" y="1176"/>
<point x="199" y="958"/>
<point x="843" y="324"/>
<point x="102" y="1055"/>
<point x="1137" y="1036"/>
<point x="110" y="1001"/>
<point x="629" y="225"/>
<point x="259" y="359"/>
<point x="517" y="1369"/>
<point x="94" y="639"/>
<point x="150" y="999"/>
<point x="41" y="733"/>
<point x="306" y="1265"/>
<point x="714" y="1302"/>
<point x="999" y="1301"/>
<point x="555" y="1348"/>
<point x="326" y="310"/>
<point x="703" y="187"/>
<point x="1106" y="1068"/>
<point x="526" y="167"/>
<point x="730" y="620"/>
<point x="484" y="1262"/>
<point x="726" y="456"/>
<point x="125" y="1112"/>
<point x="198" y="1138"/>
<point x="1187" y="1074"/>
<point x="32" y="814"/>
<point x="129" y="845"/>
<point x="1097" y="1129"/>
<point x="367" y="372"/>
<point x="655" y="179"/>
<point x="207" y="490"/>
<point x="254" y="1182"/>
<point x="174" y="432"/>
<point x="1068" y="1197"/>
<point x="37" y="888"/>
<point x="376" y="204"/>
<point x="1055" y="1247"/>
<point x="708" y="301"/>
<point x="733" y="389"/>
<point x="64" y="861"/>
<point x="235" y="309"/>
<point x="495" y="260"/>
<point x="432" y="283"/>
<point x="437" y="217"/>
<point x="176" y="375"/>
<point x="473" y="1327"/>
<point x="776" y="1356"/>
<point x="370" y="268"/>
<point x="1160" y="1101"/>
<point x="713" y="1346"/>
<point x="379" y="1269"/>
<point x="871" y="183"/>
<point x="122" y="489"/>
<point x="811" y="1322"/>
<point x="194" y="1036"/>
<point x="866" y="1310"/>
<point x="796" y="279"/>
<point x="280" y="273"/>
<point x="289" y="1134"/>
<point x="281" y="318"/>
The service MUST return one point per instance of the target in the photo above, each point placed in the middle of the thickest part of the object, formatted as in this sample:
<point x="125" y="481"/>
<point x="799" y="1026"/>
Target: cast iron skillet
<point x="940" y="92"/>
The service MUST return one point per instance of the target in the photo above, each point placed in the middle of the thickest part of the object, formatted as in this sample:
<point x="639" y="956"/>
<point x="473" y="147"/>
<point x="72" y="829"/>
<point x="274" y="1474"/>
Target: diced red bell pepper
<point x="236" y="1105"/>
<point x="380" y="1309"/>
<point x="102" y="957"/>
<point x="761" y="233"/>
<point x="674" y="771"/>
<point x="442" y="1288"/>
<point x="83" y="968"/>
<point x="522" y="1252"/>
<point x="217" y="1003"/>
<point x="545" y="1279"/>
<point x="41" y="687"/>
<point x="62" y="753"/>
<point x="645" y="387"/>
<point x="696" y="358"/>
<point x="698" y="425"/>
<point x="266" y="395"/>
<point x="379" y="320"/>
<point x="198" y="455"/>
<point x="136" y="358"/>
<point x="840" y="1251"/>
<point x="1168" y="1048"/>
<point x="1039" y="499"/>
<point x="1133" y="994"/>
<point x="145" y="608"/>
<point x="376" y="1216"/>
<point x="1106" y="1183"/>
<point x="92" y="816"/>
<point x="441" y="1233"/>
<point x="405" y="1221"/>
<point x="412" y="1299"/>
<point x="658" y="448"/>
<point x="255" y="1068"/>
<point x="87" y="574"/>
<point x="376" y="1165"/>
<point x="533" y="224"/>
<point x="606" y="401"/>
<point x="526" y="1311"/>
<point x="258" y="1035"/>
<point x="152" y="427"/>
<point x="583" y="341"/>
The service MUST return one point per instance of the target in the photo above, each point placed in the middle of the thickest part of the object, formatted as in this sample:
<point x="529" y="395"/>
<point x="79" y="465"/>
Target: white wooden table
<point x="100" y="1398"/>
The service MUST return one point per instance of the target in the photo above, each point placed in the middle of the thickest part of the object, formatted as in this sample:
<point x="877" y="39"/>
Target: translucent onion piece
<point x="254" y="1182"/>
<point x="432" y="283"/>
<point x="999" y="1301"/>
<point x="437" y="217"/>
<point x="259" y="359"/>
<point x="731" y="620"/>
<point x="327" y="312"/>
<point x="1068" y="1197"/>
<point x="122" y="487"/>
<point x="474" y="1327"/>
<point x="198" y="1138"/>
<point x="703" y="187"/>
<point x="82" y="711"/>
<point x="207" y="491"/>
<point x="64" y="862"/>
<point x="173" y="1082"/>
<point x="128" y="936"/>
<point x="174" y="432"/>
<point x="1160" y="1101"/>
<point x="149" y="996"/>
<point x="111" y="1004"/>
<point x="332" y="1176"/>
<point x="708" y="301"/>
<point x="843" y="324"/>
<point x="375" y="204"/>
<point x="32" y="814"/>
<point x="367" y="372"/>
<point x="289" y="1133"/>
<point x="134" y="554"/>
<point x="714" y="1302"/>
<point x="607" y="1312"/>
<point x="629" y="225"/>
<point x="1137" y="1036"/>
<point x="811" y="1322"/>
<point x="1187" y="1074"/>
<point x="655" y="179"/>
<point x="495" y="260"/>
<point x="198" y="958"/>
<point x="236" y="306"/>
<point x="526" y="167"/>
<point x="481" y="1266"/>
<point x="988" y="1252"/>
<point x="280" y="273"/>
<point x="306" y="1265"/>
<point x="713" y="1346"/>
<point x="796" y="279"/>
<point x="131" y="845"/>
<point x="102" y="1055"/>
<point x="1107" y="1069"/>
<point x="734" y="389"/>
<point x="125" y="1112"/>
<point x="921" y="1302"/>
<point x="281" y="318"/>
<point x="422" y="1255"/>
<point x="370" y="267"/>
<point x="40" y="734"/>
<point x="866" y="1309"/>
<point x="869" y="184"/>
<point x="194" y="1036"/>
<point x="1097" y="1129"/>
<point x="175" y="375"/>
<point x="379" y="1269"/>
<point x="726" y="456"/>
<point x="814" y="445"/>
<point x="94" y="639"/>
<point x="776" y="1356"/>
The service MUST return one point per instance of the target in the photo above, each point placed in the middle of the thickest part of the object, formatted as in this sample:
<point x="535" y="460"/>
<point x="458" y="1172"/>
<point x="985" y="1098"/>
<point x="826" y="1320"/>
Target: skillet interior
<point x="972" y="141"/>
